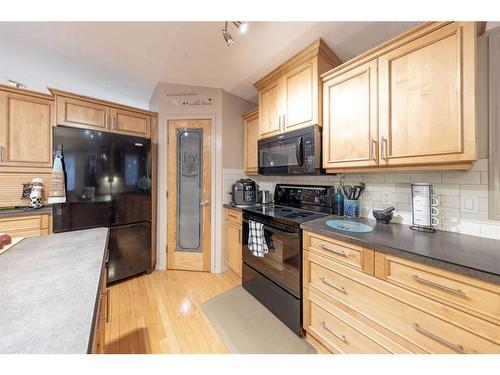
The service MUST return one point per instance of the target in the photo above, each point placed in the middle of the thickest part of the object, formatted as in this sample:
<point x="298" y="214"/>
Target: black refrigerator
<point x="108" y="184"/>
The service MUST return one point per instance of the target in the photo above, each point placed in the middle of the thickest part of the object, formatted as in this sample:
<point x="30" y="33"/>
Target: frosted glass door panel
<point x="189" y="189"/>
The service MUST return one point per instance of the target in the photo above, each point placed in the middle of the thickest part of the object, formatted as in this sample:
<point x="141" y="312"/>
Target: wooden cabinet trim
<point x="250" y="137"/>
<point x="317" y="48"/>
<point x="406" y="37"/>
<point x="57" y="92"/>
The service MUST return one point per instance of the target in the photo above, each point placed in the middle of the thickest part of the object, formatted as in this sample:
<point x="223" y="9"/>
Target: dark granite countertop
<point x="468" y="255"/>
<point x="26" y="211"/>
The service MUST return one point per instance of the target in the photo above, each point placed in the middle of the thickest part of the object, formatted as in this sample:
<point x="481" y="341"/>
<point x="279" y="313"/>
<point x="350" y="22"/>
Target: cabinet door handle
<point x="239" y="236"/>
<point x="284" y="123"/>
<point x="338" y="252"/>
<point x="383" y="148"/>
<point x="107" y="305"/>
<point x="373" y="145"/>
<point x="279" y="123"/>
<point x="456" y="347"/>
<point x="330" y="284"/>
<point x="1" y="154"/>
<point x="232" y="216"/>
<point x="337" y="335"/>
<point x="438" y="286"/>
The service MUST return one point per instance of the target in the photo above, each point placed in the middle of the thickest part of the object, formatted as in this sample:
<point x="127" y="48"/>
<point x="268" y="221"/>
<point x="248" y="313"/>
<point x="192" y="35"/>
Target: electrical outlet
<point x="386" y="197"/>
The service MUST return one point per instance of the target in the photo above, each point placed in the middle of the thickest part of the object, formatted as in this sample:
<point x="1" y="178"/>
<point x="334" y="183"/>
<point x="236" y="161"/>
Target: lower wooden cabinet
<point x="233" y="233"/>
<point x="26" y="226"/>
<point x="102" y="316"/>
<point x="347" y="310"/>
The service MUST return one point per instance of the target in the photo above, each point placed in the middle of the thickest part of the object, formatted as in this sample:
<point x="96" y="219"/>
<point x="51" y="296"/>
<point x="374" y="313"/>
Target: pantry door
<point x="189" y="192"/>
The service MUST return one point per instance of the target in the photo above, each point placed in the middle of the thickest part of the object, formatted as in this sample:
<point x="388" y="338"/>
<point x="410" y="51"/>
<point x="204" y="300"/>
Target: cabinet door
<point x="129" y="122"/>
<point x="270" y="110"/>
<point x="427" y="98"/>
<point x="300" y="96"/>
<point x="25" y="131"/>
<point x="251" y="129"/>
<point x="233" y="246"/>
<point x="82" y="114"/>
<point x="350" y="122"/>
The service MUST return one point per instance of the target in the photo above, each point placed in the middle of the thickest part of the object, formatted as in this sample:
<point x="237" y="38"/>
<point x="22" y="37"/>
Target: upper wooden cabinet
<point x="251" y="136"/>
<point x="129" y="122"/>
<point x="408" y="104"/>
<point x="89" y="113"/>
<point x="427" y="98"/>
<point x="26" y="120"/>
<point x="82" y="114"/>
<point x="290" y="96"/>
<point x="350" y="133"/>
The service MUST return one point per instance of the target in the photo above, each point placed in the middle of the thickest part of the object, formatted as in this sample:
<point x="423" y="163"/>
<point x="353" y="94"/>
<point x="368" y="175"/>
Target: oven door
<point x="283" y="263"/>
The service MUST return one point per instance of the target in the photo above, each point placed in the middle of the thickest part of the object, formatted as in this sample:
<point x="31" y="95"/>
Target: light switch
<point x="469" y="204"/>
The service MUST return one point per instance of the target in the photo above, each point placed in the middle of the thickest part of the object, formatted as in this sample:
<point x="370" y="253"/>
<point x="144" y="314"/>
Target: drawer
<point x="468" y="294"/>
<point x="337" y="333"/>
<point x="352" y="255"/>
<point x="233" y="215"/>
<point x="24" y="226"/>
<point x="341" y="332"/>
<point x="427" y="325"/>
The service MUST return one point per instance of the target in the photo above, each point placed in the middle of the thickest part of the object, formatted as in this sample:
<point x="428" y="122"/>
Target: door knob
<point x="204" y="203"/>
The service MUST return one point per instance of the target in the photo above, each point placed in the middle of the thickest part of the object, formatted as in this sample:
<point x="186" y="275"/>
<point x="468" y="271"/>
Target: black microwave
<point x="297" y="152"/>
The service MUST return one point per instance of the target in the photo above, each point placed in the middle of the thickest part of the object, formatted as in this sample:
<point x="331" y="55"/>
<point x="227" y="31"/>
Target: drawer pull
<point x="456" y="347"/>
<point x="338" y="287"/>
<point x="326" y="328"/>
<point x="233" y="216"/>
<point x="107" y="306"/>
<point x="339" y="252"/>
<point x="438" y="286"/>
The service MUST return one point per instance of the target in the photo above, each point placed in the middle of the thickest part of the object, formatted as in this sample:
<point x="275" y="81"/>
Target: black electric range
<point x="275" y="279"/>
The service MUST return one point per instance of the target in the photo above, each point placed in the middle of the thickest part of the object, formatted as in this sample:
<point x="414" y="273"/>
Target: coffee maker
<point x="244" y="192"/>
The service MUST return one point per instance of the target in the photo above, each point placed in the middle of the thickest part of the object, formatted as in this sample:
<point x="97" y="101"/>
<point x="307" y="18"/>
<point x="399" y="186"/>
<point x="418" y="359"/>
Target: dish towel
<point x="256" y="240"/>
<point x="57" y="189"/>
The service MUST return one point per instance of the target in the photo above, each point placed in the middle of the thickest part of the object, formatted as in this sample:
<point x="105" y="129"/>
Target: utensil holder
<point x="351" y="208"/>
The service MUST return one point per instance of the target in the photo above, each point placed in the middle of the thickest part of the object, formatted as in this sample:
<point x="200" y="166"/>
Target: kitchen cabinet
<point x="130" y="123"/>
<point x="407" y="104"/>
<point x="386" y="309"/>
<point x="290" y="96"/>
<point x="251" y="136"/>
<point x="102" y="315"/>
<point x="350" y="133"/>
<point x="94" y="114"/>
<point x="26" y="226"/>
<point x="82" y="114"/>
<point x="233" y="233"/>
<point x="26" y="120"/>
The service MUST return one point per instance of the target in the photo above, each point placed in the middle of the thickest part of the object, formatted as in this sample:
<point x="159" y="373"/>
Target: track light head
<point x="227" y="37"/>
<point x="241" y="26"/>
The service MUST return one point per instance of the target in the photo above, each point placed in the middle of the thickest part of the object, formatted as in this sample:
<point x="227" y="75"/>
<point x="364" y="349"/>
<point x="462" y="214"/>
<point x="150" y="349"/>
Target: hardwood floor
<point x="161" y="313"/>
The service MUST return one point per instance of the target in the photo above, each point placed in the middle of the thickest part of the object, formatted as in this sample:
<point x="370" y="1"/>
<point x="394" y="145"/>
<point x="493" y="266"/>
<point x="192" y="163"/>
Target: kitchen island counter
<point x="49" y="292"/>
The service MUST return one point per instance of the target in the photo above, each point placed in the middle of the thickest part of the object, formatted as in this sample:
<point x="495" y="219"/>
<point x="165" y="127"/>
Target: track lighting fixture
<point x="241" y="26"/>
<point x="227" y="37"/>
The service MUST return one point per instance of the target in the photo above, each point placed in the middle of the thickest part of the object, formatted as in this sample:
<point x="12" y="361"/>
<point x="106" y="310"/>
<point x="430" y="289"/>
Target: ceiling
<point x="124" y="61"/>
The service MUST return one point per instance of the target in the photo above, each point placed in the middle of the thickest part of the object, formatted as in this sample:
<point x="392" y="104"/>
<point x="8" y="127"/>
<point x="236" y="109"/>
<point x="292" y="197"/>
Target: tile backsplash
<point x="463" y="196"/>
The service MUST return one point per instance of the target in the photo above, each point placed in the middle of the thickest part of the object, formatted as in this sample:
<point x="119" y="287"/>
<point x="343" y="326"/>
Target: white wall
<point x="225" y="111"/>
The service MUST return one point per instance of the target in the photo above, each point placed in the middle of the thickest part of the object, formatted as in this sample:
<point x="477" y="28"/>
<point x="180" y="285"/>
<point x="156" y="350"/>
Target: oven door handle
<point x="275" y="230"/>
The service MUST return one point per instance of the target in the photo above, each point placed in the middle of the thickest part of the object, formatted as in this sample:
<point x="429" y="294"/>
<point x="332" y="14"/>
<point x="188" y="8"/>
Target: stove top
<point x="293" y="215"/>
